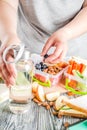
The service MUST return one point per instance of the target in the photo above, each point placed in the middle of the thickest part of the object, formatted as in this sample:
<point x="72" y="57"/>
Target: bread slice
<point x="40" y="95"/>
<point x="73" y="113"/>
<point x="34" y="87"/>
<point x="58" y="103"/>
<point x="52" y="96"/>
<point x="79" y="103"/>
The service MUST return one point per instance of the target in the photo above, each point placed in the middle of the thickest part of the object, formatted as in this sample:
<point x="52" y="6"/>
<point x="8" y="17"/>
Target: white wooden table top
<point x="37" y="118"/>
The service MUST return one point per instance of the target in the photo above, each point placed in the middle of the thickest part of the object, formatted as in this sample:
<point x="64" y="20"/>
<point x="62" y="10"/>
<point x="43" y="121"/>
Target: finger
<point x="1" y="50"/>
<point x="63" y="54"/>
<point x="56" y="54"/>
<point x="11" y="67"/>
<point x="7" y="77"/>
<point x="56" y="60"/>
<point x="47" y="46"/>
<point x="61" y="57"/>
<point x="3" y="78"/>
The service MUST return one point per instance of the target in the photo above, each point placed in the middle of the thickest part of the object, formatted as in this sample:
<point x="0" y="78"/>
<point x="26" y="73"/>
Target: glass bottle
<point x="20" y="94"/>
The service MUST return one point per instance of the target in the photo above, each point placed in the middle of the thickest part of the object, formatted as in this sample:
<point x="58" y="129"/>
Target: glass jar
<point x="20" y="94"/>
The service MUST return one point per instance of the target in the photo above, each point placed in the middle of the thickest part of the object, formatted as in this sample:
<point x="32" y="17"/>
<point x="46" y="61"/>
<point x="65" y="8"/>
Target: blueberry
<point x="46" y="55"/>
<point x="45" y="66"/>
<point x="41" y="63"/>
<point x="42" y="69"/>
<point x="38" y="66"/>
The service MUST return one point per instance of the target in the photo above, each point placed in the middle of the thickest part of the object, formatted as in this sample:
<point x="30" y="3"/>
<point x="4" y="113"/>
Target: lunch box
<point x="75" y="79"/>
<point x="50" y="78"/>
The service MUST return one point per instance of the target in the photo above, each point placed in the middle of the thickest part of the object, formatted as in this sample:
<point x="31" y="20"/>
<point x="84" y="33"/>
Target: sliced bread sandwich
<point x="66" y="111"/>
<point x="78" y="104"/>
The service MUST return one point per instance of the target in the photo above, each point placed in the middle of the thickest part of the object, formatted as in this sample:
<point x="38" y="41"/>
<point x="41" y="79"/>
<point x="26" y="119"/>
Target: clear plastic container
<point x="75" y="84"/>
<point x="47" y="79"/>
<point x="76" y="75"/>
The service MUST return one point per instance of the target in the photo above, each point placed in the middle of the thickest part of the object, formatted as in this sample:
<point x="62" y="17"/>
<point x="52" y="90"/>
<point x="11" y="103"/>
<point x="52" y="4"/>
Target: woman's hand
<point x="59" y="41"/>
<point x="8" y="71"/>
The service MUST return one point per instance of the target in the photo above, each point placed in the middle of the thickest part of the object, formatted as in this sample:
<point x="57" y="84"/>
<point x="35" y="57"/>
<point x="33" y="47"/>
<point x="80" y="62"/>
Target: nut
<point x="39" y="103"/>
<point x="51" y="104"/>
<point x="66" y="124"/>
<point x="48" y="107"/>
<point x="44" y="104"/>
<point x="35" y="100"/>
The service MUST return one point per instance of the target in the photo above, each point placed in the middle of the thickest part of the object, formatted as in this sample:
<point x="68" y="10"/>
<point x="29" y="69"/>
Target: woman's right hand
<point x="8" y="71"/>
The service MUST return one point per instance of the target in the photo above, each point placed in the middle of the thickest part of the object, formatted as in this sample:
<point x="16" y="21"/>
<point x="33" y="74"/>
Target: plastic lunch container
<point x="75" y="83"/>
<point x="51" y="79"/>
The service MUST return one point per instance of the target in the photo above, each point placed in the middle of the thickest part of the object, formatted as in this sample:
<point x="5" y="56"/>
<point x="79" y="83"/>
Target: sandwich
<point x="76" y="107"/>
<point x="71" y="112"/>
<point x="79" y="103"/>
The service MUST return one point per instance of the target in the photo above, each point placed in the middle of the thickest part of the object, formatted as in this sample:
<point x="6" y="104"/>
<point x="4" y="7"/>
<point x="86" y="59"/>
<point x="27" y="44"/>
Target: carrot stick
<point x="73" y="84"/>
<point x="69" y="71"/>
<point x="75" y="65"/>
<point x="82" y="67"/>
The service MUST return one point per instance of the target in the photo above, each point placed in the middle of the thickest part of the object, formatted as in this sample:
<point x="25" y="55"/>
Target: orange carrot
<point x="75" y="65"/>
<point x="69" y="71"/>
<point x="82" y="67"/>
<point x="71" y="62"/>
<point x="73" y="84"/>
<point x="78" y="67"/>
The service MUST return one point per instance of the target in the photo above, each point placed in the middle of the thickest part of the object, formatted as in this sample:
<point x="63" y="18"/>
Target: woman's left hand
<point x="59" y="41"/>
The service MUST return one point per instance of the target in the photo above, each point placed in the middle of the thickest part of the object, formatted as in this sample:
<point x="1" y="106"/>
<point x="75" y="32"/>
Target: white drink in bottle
<point x="20" y="93"/>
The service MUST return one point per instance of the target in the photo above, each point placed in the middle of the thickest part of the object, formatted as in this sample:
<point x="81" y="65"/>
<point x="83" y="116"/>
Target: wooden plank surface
<point x="37" y="118"/>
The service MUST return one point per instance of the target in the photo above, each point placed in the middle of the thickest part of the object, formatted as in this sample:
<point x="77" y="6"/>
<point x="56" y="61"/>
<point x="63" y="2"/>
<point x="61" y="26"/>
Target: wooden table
<point x="37" y="118"/>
